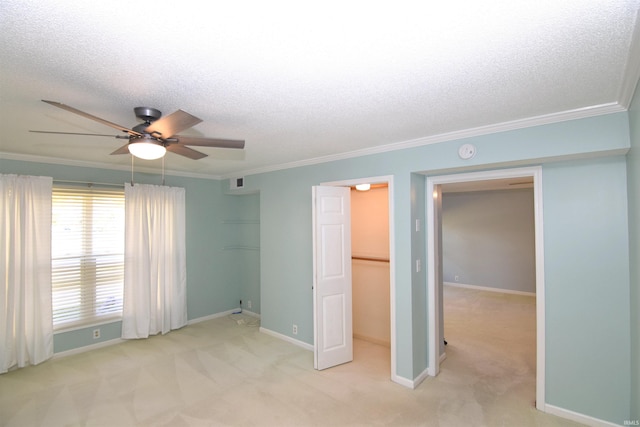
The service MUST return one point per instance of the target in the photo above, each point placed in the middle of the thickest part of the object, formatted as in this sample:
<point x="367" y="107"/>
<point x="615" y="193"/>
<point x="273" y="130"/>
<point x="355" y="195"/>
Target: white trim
<point x="212" y="316"/>
<point x="388" y="179"/>
<point x="489" y="289"/>
<point x="419" y="379"/>
<point x="563" y="116"/>
<point x="314" y="275"/>
<point x="540" y="291"/>
<point x="89" y="347"/>
<point x="434" y="314"/>
<point x="412" y="384"/>
<point x="63" y="330"/>
<point x="98" y="165"/>
<point x="405" y="382"/>
<point x="626" y="92"/>
<point x="632" y="69"/>
<point x="385" y="179"/>
<point x="286" y="338"/>
<point x="577" y="417"/>
<point x="250" y="313"/>
<point x="115" y="341"/>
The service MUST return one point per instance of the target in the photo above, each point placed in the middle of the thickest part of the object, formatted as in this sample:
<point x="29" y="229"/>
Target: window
<point x="87" y="256"/>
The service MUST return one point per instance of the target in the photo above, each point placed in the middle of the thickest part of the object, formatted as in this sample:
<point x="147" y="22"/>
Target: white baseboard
<point x="490" y="289"/>
<point x="88" y="348"/>
<point x="212" y="316"/>
<point x="251" y="313"/>
<point x="412" y="384"/>
<point x="287" y="338"/>
<point x="405" y="382"/>
<point x="577" y="417"/>
<point x="223" y="314"/>
<point x="120" y="340"/>
<point x="418" y="380"/>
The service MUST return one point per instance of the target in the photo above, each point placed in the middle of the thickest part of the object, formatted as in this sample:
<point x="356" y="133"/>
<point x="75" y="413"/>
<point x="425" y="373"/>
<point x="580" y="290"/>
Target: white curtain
<point x="26" y="325"/>
<point x="155" y="277"/>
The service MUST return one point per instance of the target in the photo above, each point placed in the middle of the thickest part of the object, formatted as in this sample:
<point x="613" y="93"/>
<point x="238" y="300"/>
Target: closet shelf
<point x="368" y="258"/>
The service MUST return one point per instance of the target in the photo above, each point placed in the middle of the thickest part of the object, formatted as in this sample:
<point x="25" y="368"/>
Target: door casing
<point x="433" y="294"/>
<point x="387" y="179"/>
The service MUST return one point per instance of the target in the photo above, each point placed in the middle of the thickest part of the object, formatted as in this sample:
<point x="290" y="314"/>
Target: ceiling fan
<point x="156" y="135"/>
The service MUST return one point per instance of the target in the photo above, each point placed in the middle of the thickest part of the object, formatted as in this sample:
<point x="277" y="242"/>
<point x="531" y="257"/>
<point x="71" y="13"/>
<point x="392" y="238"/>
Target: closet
<point x="370" y="264"/>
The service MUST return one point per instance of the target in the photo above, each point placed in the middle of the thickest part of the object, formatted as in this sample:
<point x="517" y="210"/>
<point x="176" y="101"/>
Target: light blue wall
<point x="584" y="259"/>
<point x="241" y="253"/>
<point x="419" y="309"/>
<point x="285" y="229"/>
<point x="211" y="284"/>
<point x="488" y="239"/>
<point x="633" y="180"/>
<point x="587" y="287"/>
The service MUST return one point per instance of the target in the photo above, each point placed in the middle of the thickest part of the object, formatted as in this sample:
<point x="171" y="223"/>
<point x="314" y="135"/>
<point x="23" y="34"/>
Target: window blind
<point x="87" y="255"/>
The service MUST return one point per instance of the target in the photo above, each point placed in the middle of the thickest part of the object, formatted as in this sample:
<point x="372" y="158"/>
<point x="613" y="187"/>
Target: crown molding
<point x="578" y="113"/>
<point x="632" y="69"/>
<point x="98" y="165"/>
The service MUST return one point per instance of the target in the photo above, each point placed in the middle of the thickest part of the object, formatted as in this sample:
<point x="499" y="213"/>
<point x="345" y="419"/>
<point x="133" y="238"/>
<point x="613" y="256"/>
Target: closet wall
<point x="370" y="265"/>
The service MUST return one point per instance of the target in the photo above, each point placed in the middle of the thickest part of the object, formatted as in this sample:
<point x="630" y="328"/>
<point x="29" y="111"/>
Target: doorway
<point x="434" y="250"/>
<point x="370" y="276"/>
<point x="388" y="182"/>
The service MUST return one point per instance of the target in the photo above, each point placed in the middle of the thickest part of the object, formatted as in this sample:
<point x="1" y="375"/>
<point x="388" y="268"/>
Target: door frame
<point x="386" y="179"/>
<point x="433" y="294"/>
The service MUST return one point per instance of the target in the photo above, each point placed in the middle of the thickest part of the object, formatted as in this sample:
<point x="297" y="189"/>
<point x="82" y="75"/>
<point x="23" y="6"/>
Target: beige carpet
<point x="220" y="372"/>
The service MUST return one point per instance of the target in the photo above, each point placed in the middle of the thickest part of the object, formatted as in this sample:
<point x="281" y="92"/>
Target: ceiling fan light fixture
<point x="147" y="148"/>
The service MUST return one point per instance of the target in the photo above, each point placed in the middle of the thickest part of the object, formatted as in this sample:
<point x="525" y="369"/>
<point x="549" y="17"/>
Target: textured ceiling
<point x="300" y="81"/>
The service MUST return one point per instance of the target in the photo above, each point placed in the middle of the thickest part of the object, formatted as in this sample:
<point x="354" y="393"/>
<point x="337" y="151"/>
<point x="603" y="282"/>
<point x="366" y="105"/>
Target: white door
<point x="333" y="332"/>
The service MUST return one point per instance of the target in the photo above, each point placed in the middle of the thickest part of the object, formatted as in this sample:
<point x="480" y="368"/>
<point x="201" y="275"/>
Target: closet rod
<point x="363" y="258"/>
<point x="87" y="183"/>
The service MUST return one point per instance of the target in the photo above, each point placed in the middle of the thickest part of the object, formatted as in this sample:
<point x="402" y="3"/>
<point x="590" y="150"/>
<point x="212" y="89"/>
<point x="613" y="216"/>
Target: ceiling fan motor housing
<point x="147" y="114"/>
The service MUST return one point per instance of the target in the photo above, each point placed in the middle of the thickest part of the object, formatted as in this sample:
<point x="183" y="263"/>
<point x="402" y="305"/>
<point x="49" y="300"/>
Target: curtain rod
<point x="87" y="183"/>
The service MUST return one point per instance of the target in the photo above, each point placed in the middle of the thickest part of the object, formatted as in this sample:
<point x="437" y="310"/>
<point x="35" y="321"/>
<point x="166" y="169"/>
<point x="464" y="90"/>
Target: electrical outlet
<point x="96" y="334"/>
<point x="249" y="304"/>
<point x="456" y="278"/>
<point x="295" y="329"/>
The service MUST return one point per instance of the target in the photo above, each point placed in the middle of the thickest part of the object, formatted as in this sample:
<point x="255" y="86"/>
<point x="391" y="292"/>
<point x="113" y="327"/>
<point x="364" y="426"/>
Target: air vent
<point x="237" y="183"/>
